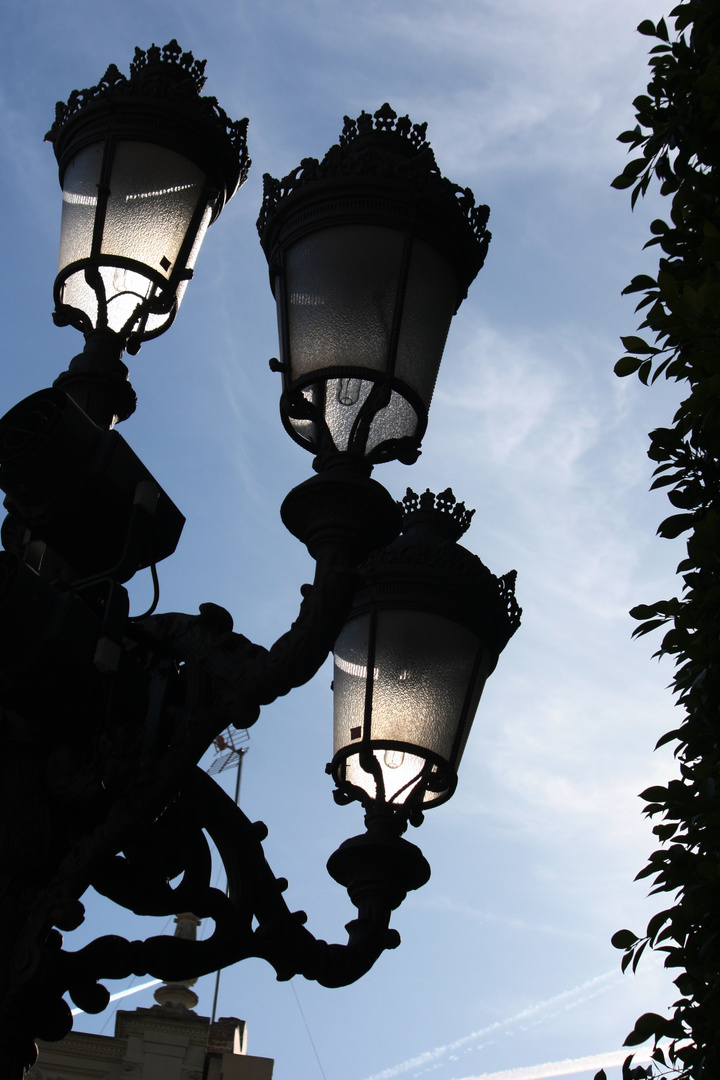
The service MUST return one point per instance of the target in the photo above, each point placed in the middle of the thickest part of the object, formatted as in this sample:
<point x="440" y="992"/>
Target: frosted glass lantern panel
<point x="430" y="301"/>
<point x="80" y="196"/>
<point x="341" y="287"/>
<point x="339" y="401"/>
<point x="401" y="774"/>
<point x="153" y="195"/>
<point x="423" y="693"/>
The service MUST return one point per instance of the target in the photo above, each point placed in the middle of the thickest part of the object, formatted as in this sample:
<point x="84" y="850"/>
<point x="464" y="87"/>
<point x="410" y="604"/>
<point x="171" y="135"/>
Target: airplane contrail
<point x="568" y="1067"/>
<point x="125" y="993"/>
<point x="567" y="999"/>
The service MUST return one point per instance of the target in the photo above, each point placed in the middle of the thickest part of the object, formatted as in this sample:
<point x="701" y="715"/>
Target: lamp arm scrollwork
<point x="138" y="880"/>
<point x="129" y="811"/>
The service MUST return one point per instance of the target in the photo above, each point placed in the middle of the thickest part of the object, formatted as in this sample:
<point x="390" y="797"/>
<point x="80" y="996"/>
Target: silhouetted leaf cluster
<point x="677" y="139"/>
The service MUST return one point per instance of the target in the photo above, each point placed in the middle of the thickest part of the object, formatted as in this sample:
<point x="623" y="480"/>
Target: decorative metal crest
<point x="167" y="73"/>
<point x="443" y="507"/>
<point x="383" y="145"/>
<point x="169" y="54"/>
<point x="438" y="550"/>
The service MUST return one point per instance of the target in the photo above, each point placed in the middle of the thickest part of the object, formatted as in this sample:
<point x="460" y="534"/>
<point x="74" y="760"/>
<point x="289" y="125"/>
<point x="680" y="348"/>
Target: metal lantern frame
<point x="160" y="104"/>
<point x="425" y="572"/>
<point x="381" y="174"/>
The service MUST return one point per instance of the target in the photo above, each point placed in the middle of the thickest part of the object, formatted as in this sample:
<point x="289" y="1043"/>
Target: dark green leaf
<point x="648" y="627"/>
<point x="675" y="525"/>
<point x="636" y="344"/>
<point x="641" y="281"/>
<point x="647" y="28"/>
<point x="627" y="365"/>
<point x="668" y="737"/>
<point x="622" y="181"/>
<point x="634" y="168"/>
<point x="637" y="954"/>
<point x="646" y="1026"/>
<point x="657" y="922"/>
<point x="654" y="794"/>
<point x="623" y="939"/>
<point x="643" y="611"/>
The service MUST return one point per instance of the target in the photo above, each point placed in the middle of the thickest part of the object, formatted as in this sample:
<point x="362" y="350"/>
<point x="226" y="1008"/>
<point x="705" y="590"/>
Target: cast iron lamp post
<point x="104" y="717"/>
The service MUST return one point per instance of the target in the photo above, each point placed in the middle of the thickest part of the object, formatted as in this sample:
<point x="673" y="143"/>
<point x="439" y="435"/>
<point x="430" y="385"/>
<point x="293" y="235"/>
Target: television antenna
<point x="230" y="749"/>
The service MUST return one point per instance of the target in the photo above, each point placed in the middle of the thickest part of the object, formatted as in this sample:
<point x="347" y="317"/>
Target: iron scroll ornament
<point x="109" y="794"/>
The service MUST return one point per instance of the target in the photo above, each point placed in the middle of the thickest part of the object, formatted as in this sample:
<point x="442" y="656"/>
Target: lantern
<point x="370" y="253"/>
<point x="146" y="164"/>
<point x="425" y="632"/>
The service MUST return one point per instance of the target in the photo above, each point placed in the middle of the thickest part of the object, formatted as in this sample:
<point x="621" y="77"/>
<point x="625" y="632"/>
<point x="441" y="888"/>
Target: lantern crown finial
<point x="385" y="122"/>
<point x="146" y="63"/>
<point x="442" y="511"/>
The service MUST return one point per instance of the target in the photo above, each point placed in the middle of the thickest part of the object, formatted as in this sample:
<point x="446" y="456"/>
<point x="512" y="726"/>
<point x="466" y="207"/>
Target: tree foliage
<point x="678" y="139"/>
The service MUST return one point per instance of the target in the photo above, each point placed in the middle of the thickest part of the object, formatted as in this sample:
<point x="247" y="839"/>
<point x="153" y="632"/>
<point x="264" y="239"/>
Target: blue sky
<point x="506" y="962"/>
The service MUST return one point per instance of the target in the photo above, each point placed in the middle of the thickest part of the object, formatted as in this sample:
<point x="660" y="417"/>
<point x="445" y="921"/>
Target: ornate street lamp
<point x="371" y="251"/>
<point x="424" y="633"/>
<point x="146" y="164"/>
<point x="104" y="717"/>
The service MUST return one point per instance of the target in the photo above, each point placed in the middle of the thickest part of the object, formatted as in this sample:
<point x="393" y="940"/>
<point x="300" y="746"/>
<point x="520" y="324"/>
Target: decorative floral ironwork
<point x="443" y="507"/>
<point x="167" y="73"/>
<point x="383" y="145"/>
<point x="435" y="548"/>
<point x="169" y="54"/>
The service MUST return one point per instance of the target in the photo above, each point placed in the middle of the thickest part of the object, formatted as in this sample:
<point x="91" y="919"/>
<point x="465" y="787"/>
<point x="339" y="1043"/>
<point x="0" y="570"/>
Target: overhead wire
<point x="307" y="1028"/>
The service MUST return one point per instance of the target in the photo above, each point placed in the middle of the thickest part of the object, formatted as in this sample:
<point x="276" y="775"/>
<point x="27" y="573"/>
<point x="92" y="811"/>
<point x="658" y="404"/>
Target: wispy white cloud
<point x="448" y="905"/>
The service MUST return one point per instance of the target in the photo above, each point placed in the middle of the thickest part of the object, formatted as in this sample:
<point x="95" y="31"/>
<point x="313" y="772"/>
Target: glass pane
<point x="397" y="420"/>
<point x="341" y="287"/>
<point x="340" y="402"/>
<point x="77" y="293"/>
<point x="80" y="192"/>
<point x="484" y="670"/>
<point x="153" y="194"/>
<point x="349" y="681"/>
<point x="154" y="322"/>
<point x="430" y="300"/>
<point x="420" y="692"/>
<point x="425" y="664"/>
<point x="124" y="291"/>
<point x="304" y="428"/>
